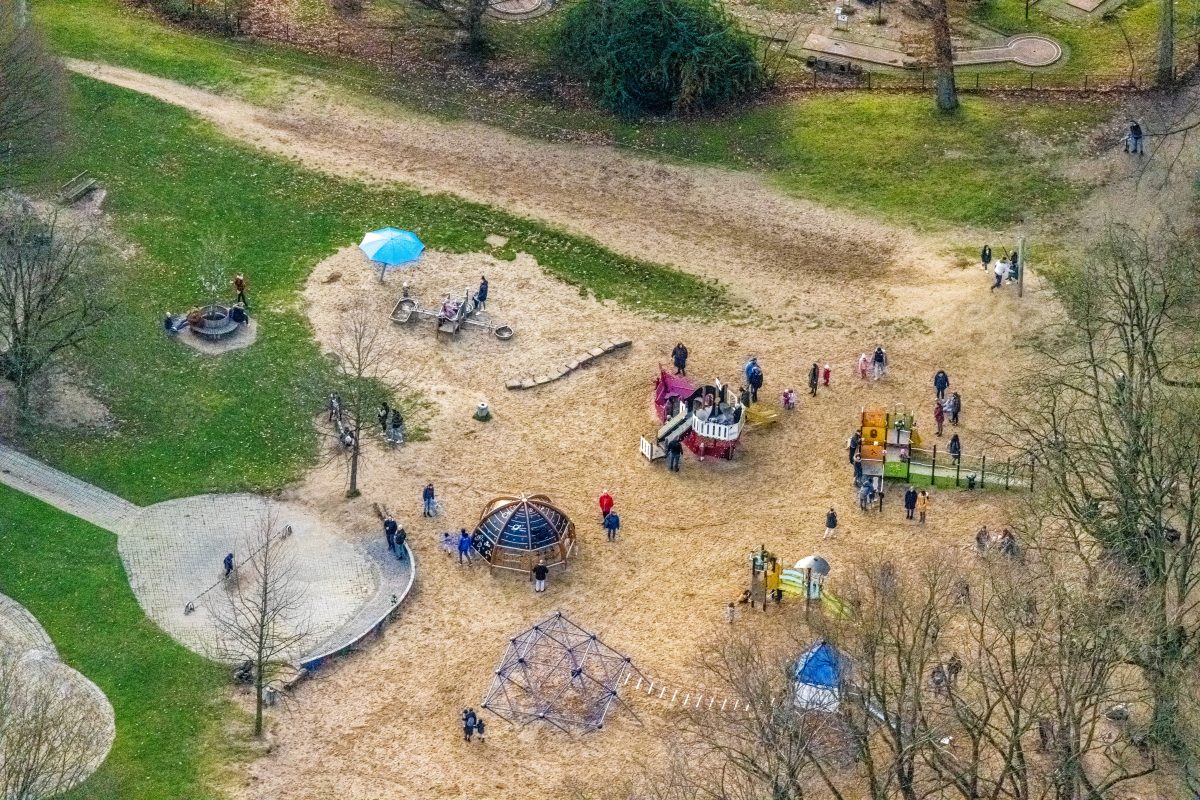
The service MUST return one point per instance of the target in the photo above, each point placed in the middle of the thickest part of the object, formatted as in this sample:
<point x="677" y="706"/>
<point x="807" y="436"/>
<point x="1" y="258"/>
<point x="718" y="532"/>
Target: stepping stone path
<point x="581" y="360"/>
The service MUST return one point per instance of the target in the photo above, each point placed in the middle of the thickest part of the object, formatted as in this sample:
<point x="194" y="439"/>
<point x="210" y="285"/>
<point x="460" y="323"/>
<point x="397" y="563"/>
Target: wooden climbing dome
<point x="517" y="531"/>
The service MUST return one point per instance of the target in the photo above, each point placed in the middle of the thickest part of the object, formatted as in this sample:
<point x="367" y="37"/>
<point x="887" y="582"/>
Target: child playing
<point x="862" y="366"/>
<point x="447" y="545"/>
<point x="825" y="374"/>
<point x="789" y="400"/>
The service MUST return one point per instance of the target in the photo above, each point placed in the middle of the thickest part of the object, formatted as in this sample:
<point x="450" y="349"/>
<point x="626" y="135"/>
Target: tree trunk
<point x="1166" y="44"/>
<point x="943" y="54"/>
<point x="354" y="453"/>
<point x="258" y="703"/>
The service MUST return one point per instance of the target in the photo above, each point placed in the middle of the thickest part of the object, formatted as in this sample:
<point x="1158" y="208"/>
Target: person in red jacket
<point x="606" y="504"/>
<point x="939" y="415"/>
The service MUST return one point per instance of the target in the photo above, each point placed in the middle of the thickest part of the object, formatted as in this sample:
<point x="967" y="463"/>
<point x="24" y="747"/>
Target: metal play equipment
<point x="450" y="317"/>
<point x="518" y="531"/>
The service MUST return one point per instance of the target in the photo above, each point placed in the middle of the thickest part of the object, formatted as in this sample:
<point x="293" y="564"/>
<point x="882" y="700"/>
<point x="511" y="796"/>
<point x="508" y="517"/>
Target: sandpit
<point x="83" y="718"/>
<point x="385" y="722"/>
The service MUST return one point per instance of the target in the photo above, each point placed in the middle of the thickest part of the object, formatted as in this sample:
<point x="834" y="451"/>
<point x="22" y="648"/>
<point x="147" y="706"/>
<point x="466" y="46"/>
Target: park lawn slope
<point x="890" y="154"/>
<point x="171" y="704"/>
<point x="190" y="424"/>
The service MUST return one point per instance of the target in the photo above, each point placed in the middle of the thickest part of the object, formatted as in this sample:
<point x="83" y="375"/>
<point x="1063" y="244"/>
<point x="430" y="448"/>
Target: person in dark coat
<point x="955" y="448"/>
<point x="910" y="502"/>
<point x="469" y="720"/>
<point x="878" y="362"/>
<point x="985" y="255"/>
<point x="941" y="382"/>
<point x="852" y="445"/>
<point x="754" y="377"/>
<point x="429" y="501"/>
<point x="538" y="576"/>
<point x="939" y="415"/>
<point x="401" y="538"/>
<point x="814" y="379"/>
<point x="464" y="547"/>
<point x="680" y="356"/>
<point x="674" y="455"/>
<point x="830" y="523"/>
<point x="481" y="295"/>
<point x="384" y="414"/>
<point x="389" y="532"/>
<point x="612" y="524"/>
<point x="239" y="286"/>
<point x="227" y="563"/>
<point x="955" y="407"/>
<point x="858" y="468"/>
<point x="1133" y="141"/>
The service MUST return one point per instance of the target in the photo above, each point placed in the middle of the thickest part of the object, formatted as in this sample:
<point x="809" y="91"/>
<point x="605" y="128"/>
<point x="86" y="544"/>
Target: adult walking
<point x="955" y="407"/>
<point x="1133" y="140"/>
<point x="941" y="382"/>
<point x="754" y="378"/>
<point x="390" y="527"/>
<point x="429" y="499"/>
<point x="910" y="502"/>
<point x="985" y="255"/>
<point x="538" y="576"/>
<point x="830" y="523"/>
<point x="464" y="546"/>
<point x="400" y="539"/>
<point x="999" y="272"/>
<point x="482" y="295"/>
<point x="922" y="506"/>
<point x="612" y="525"/>
<point x="852" y="445"/>
<point x="955" y="448"/>
<point x="674" y="455"/>
<point x="469" y="721"/>
<point x="939" y="415"/>
<point x="814" y="379"/>
<point x="878" y="360"/>
<point x="680" y="356"/>
<point x="227" y="563"/>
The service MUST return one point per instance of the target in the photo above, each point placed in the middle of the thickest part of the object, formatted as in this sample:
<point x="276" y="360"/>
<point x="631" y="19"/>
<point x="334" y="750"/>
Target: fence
<point x="984" y="81"/>
<point x="936" y="467"/>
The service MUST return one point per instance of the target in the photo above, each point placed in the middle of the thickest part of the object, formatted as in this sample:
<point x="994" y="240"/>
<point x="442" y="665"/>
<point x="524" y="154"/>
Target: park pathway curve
<point x="172" y="553"/>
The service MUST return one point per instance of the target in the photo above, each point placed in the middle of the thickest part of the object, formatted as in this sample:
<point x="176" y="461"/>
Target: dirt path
<point x="704" y="220"/>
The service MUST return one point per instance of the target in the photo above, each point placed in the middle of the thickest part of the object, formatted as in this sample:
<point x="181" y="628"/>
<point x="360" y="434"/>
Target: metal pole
<point x="933" y="468"/>
<point x="1021" y="267"/>
<point x="983" y="472"/>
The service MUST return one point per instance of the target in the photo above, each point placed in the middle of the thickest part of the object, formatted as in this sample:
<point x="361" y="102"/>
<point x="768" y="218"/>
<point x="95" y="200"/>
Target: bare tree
<point x="366" y="376"/>
<point x="262" y="621"/>
<point x="52" y="733"/>
<point x="49" y="301"/>
<point x="1111" y="423"/>
<point x="1165" y="74"/>
<point x="466" y="16"/>
<point x="33" y="118"/>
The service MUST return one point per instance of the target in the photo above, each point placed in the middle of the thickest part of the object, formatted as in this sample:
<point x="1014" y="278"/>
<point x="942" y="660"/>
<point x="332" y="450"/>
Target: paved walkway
<point x="172" y="553"/>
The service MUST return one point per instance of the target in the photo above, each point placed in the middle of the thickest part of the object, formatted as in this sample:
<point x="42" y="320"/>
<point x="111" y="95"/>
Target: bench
<point x="837" y="66"/>
<point x="75" y="189"/>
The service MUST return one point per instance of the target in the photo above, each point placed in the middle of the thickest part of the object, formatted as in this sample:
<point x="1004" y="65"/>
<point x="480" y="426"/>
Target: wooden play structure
<point x="707" y="419"/>
<point x="517" y="531"/>
<point x="885" y="436"/>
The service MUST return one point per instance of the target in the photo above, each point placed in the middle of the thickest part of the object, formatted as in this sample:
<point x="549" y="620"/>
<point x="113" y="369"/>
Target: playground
<point x="658" y="593"/>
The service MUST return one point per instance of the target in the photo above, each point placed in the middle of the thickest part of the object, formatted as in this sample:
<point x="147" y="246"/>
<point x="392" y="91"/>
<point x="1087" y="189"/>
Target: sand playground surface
<point x="384" y="722"/>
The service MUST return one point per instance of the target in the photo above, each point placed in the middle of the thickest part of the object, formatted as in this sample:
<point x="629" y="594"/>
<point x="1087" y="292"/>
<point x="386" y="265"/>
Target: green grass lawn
<point x="888" y="154"/>
<point x="191" y="424"/>
<point x="170" y="703"/>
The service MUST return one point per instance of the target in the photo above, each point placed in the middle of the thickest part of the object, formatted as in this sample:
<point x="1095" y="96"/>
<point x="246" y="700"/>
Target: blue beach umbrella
<point x="391" y="247"/>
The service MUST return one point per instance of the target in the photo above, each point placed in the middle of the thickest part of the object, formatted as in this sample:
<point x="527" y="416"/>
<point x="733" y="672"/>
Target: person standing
<point x="955" y="448"/>
<point x="864" y="495"/>
<point x="482" y="294"/>
<point x="941" y="382"/>
<point x="814" y="379"/>
<point x="955" y="408"/>
<point x="858" y="469"/>
<point x="400" y="539"/>
<point x="1133" y="141"/>
<point x="826" y="374"/>
<point x="1000" y="271"/>
<point x="447" y="544"/>
<point x="877" y="362"/>
<point x="983" y="540"/>
<point x="383" y="415"/>
<point x="227" y="563"/>
<point x="939" y="415"/>
<point x="469" y="720"/>
<point x="985" y="255"/>
<point x="830" y="523"/>
<point x="680" y="356"/>
<point x="852" y="445"/>
<point x="606" y="505"/>
<point x="922" y="505"/>
<point x="953" y="667"/>
<point x="429" y="499"/>
<point x="754" y="377"/>
<point x="862" y="366"/>
<point x="464" y="546"/>
<point x="538" y="576"/>
<point x="389" y="532"/>
<point x="612" y="524"/>
<point x="239" y="286"/>
<point x="674" y="454"/>
<point x="481" y="730"/>
<point x="910" y="502"/>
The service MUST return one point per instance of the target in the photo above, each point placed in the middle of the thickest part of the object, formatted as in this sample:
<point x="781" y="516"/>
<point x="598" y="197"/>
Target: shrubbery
<point x="657" y="56"/>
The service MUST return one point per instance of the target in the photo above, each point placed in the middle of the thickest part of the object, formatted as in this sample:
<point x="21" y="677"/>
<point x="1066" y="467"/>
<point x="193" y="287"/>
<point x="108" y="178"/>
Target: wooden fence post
<point x="1007" y="472"/>
<point x="933" y="468"/>
<point x="983" y="472"/>
<point x="957" y="469"/>
<point x="1031" y="463"/>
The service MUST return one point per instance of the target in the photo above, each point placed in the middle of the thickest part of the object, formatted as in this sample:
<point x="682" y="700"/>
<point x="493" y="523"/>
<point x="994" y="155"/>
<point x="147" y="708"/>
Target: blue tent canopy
<point x="819" y="674"/>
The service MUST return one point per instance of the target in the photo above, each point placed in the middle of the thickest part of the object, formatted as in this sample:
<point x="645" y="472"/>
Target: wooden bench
<point x="76" y="189"/>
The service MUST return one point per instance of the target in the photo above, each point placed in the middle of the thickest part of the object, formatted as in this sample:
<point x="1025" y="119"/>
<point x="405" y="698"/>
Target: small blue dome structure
<point x="517" y="531"/>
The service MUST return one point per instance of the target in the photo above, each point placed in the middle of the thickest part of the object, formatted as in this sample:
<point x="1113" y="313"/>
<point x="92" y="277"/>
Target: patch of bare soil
<point x="60" y="401"/>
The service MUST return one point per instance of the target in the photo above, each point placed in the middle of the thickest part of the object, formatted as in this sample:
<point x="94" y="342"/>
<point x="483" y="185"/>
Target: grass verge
<point x="885" y="153"/>
<point x="191" y="424"/>
<point x="168" y="701"/>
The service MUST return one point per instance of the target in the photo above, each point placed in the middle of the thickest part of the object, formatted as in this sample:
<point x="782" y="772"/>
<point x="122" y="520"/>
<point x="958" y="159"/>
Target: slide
<point x="675" y="428"/>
